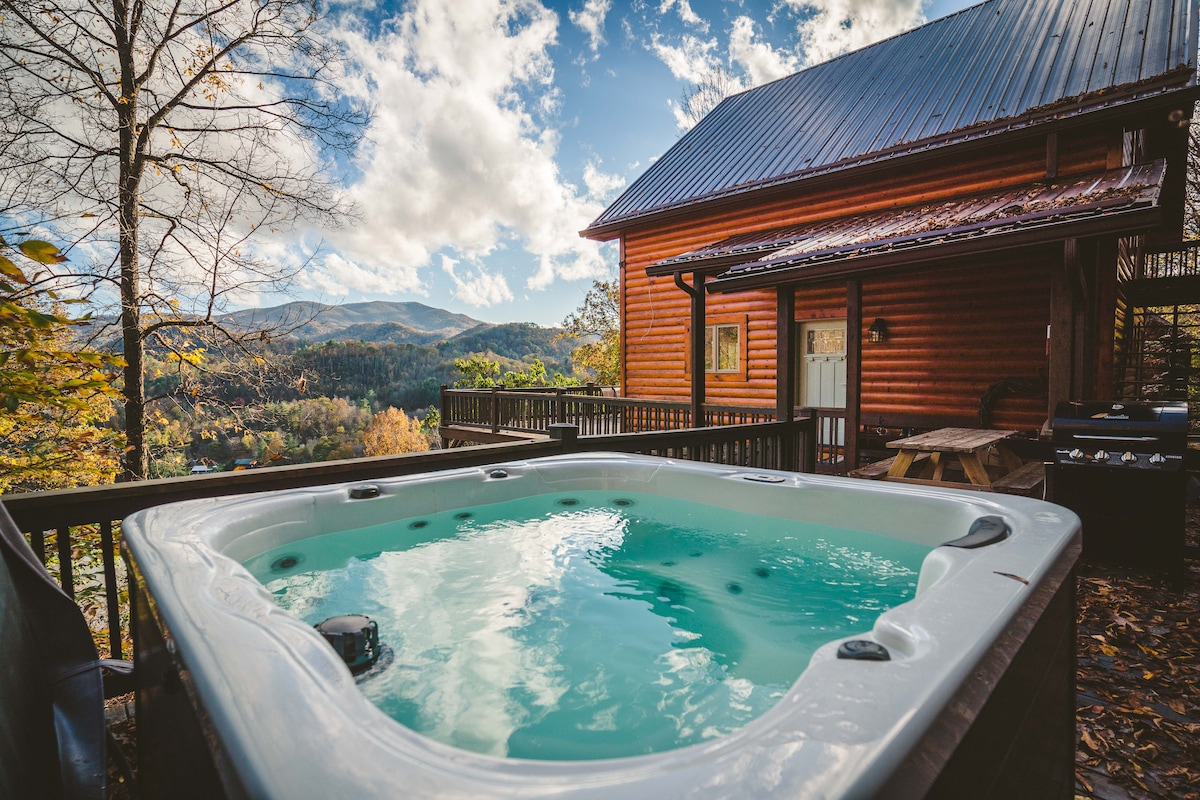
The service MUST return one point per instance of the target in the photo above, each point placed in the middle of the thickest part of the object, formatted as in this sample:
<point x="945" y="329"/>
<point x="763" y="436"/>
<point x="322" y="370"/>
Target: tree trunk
<point x="137" y="462"/>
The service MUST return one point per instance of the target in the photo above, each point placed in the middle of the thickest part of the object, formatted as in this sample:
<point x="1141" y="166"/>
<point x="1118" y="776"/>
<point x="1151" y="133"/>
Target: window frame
<point x="739" y="321"/>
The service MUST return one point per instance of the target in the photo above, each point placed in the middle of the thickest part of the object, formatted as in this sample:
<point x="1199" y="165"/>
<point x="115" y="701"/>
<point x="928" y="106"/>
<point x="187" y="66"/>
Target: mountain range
<point x="377" y="321"/>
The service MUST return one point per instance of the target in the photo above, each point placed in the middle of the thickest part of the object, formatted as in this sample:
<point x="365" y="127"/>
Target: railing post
<point x="567" y="435"/>
<point x="810" y="440"/>
<point x="560" y="406"/>
<point x="445" y="418"/>
<point x="495" y="410"/>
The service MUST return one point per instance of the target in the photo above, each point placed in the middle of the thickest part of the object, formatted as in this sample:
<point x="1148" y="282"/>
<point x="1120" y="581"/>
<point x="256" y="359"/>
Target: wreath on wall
<point x="1010" y="387"/>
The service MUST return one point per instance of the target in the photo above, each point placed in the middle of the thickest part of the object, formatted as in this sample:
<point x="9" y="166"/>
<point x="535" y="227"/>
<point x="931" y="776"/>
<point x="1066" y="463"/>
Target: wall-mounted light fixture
<point x="878" y="332"/>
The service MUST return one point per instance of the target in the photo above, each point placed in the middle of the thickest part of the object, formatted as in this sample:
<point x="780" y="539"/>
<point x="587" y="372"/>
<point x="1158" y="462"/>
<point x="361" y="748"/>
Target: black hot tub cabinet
<point x="240" y="699"/>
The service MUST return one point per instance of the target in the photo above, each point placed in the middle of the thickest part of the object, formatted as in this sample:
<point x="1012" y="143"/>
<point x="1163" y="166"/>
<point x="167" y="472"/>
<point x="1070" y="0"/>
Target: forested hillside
<point x="408" y="375"/>
<point x="303" y="401"/>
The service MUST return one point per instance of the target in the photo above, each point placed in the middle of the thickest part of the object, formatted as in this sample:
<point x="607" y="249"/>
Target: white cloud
<point x="760" y="61"/>
<point x="684" y="9"/>
<point x="601" y="186"/>
<point x="590" y="20"/>
<point x="481" y="289"/>
<point x="459" y="157"/>
<point x="690" y="60"/>
<point x="838" y="26"/>
<point x="335" y="276"/>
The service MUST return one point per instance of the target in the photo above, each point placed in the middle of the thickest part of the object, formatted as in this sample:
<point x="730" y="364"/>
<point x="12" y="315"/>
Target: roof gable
<point x="1002" y="60"/>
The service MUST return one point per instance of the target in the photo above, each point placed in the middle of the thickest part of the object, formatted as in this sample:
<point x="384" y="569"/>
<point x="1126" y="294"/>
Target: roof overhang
<point x="1177" y="88"/>
<point x="1118" y="201"/>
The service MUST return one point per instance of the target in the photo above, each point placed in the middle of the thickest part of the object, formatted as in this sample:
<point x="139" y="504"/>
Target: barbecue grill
<point x="1119" y="466"/>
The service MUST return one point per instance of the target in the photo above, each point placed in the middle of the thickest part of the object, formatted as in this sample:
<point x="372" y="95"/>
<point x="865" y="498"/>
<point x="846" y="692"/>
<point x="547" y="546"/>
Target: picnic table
<point x="932" y="452"/>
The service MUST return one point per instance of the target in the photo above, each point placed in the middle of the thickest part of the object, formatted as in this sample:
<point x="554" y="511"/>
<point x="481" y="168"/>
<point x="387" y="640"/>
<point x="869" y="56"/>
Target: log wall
<point x="958" y="328"/>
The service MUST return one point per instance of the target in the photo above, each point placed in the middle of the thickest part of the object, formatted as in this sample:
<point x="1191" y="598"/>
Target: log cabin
<point x="933" y="230"/>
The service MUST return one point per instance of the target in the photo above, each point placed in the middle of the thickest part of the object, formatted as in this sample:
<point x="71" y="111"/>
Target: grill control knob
<point x="1158" y="459"/>
<point x="1101" y="455"/>
<point x="1076" y="455"/>
<point x="1128" y="458"/>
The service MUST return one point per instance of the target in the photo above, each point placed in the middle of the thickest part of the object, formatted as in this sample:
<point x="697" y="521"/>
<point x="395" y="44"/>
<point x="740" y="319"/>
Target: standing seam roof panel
<point x="1104" y="67"/>
<point x="924" y="92"/>
<point x="976" y="70"/>
<point x="984" y="99"/>
<point x="820" y="145"/>
<point x="1085" y="54"/>
<point x="792" y="127"/>
<point x="848" y="131"/>
<point x="1060" y="31"/>
<point x="1128" y="67"/>
<point x="1155" y="51"/>
<point x="1015" y="96"/>
<point x="822" y="129"/>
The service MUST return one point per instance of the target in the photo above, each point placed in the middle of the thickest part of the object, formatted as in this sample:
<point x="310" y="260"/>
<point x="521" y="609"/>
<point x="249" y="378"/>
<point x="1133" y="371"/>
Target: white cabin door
<point x="822" y="372"/>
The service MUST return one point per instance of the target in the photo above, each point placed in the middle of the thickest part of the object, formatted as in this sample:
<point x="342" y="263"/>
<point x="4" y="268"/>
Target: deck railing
<point x="56" y="521"/>
<point x="1181" y="263"/>
<point x="534" y="411"/>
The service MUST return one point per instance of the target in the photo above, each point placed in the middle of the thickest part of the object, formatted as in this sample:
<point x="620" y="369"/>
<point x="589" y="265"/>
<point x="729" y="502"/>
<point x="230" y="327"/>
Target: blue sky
<point x="502" y="127"/>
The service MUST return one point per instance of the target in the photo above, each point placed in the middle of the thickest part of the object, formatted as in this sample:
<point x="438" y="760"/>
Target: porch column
<point x="1060" y="345"/>
<point x="696" y="292"/>
<point x="853" y="371"/>
<point x="785" y="359"/>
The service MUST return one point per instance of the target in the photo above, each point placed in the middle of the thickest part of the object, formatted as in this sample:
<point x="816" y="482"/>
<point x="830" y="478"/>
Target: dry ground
<point x="1138" y="682"/>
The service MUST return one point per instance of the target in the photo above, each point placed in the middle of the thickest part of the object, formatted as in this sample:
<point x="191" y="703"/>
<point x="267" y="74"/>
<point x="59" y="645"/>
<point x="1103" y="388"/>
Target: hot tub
<point x="967" y="689"/>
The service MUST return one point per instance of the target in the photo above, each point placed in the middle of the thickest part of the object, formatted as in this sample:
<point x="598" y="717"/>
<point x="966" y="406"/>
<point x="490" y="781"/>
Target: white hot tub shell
<point x="239" y="698"/>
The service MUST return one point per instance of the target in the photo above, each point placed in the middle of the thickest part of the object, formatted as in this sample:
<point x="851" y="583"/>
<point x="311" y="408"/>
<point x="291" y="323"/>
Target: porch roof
<point x="1114" y="201"/>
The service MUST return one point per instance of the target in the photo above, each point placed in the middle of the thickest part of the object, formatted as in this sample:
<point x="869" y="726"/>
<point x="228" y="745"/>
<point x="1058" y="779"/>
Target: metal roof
<point x="1001" y="64"/>
<point x="1115" y="200"/>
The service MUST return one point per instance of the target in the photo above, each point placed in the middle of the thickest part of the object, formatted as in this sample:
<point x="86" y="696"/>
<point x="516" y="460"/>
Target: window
<point x="825" y="341"/>
<point x="725" y="354"/>
<point x="1133" y="147"/>
<point x="722" y="348"/>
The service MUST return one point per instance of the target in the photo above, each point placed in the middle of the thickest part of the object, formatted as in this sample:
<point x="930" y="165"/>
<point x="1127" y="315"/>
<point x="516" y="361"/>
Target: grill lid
<point x="1141" y="426"/>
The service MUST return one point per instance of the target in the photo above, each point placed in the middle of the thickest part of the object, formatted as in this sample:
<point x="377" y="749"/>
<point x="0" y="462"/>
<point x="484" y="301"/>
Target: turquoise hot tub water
<point x="591" y="624"/>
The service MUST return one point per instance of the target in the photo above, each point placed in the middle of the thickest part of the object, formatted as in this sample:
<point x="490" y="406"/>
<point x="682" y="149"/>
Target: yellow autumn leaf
<point x="11" y="270"/>
<point x="41" y="252"/>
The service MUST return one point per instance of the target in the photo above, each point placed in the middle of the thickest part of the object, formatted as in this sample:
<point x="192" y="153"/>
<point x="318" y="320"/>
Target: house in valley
<point x="942" y="219"/>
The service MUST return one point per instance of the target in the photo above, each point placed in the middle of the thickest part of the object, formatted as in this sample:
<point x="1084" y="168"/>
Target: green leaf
<point x="41" y="252"/>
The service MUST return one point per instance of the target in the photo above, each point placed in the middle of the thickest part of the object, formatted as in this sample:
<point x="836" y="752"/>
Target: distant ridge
<point x="376" y="321"/>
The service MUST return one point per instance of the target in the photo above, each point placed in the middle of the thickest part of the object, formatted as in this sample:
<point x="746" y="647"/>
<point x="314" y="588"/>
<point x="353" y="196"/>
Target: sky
<point x="503" y="127"/>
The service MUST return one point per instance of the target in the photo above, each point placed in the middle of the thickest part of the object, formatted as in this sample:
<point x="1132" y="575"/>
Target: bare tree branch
<point x="184" y="129"/>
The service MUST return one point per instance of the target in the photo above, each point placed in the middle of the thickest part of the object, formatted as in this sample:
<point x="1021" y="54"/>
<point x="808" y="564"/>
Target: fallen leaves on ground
<point x="1138" y="682"/>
